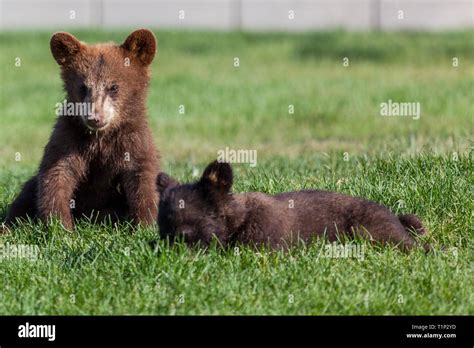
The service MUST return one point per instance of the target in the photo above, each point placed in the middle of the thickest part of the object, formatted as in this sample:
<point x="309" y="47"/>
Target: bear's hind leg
<point x="380" y="225"/>
<point x="24" y="205"/>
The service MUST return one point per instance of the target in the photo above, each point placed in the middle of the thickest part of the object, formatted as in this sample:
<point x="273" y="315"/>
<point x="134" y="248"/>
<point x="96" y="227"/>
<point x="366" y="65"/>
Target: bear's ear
<point x="64" y="46"/>
<point x="217" y="176"/>
<point x="142" y="45"/>
<point x="163" y="181"/>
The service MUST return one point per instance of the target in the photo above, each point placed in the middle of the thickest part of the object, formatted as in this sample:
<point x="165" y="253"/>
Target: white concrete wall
<point x="426" y="14"/>
<point x="266" y="15"/>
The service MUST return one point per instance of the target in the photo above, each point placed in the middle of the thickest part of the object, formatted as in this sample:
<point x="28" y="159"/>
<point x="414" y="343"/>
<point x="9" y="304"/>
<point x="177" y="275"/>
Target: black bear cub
<point x="206" y="209"/>
<point x="100" y="161"/>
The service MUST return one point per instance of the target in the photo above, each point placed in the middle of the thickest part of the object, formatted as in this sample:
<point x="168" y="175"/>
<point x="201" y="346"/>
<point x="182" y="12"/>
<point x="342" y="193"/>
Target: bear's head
<point x="201" y="211"/>
<point x="106" y="84"/>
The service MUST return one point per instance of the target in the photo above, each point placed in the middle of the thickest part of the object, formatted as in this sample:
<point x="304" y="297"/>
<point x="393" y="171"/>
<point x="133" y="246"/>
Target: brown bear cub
<point x="207" y="209"/>
<point x="100" y="161"/>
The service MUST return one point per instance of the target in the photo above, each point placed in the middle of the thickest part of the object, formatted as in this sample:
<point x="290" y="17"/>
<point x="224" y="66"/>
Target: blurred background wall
<point x="255" y="15"/>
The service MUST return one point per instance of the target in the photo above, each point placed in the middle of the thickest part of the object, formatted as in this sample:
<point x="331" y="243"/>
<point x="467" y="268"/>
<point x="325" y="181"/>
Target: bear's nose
<point x="95" y="122"/>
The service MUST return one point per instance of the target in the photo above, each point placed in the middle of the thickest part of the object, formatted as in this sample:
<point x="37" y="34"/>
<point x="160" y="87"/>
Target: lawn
<point x="335" y="139"/>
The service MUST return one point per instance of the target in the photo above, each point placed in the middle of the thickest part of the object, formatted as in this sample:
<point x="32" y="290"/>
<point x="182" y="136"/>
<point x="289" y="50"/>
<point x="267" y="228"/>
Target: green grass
<point x="419" y="166"/>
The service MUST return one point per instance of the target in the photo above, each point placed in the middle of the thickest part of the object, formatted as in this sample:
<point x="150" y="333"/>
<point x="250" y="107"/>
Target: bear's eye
<point x="83" y="90"/>
<point x="113" y="89"/>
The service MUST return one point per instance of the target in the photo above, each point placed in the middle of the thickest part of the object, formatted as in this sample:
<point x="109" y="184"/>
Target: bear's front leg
<point x="142" y="195"/>
<point x="57" y="182"/>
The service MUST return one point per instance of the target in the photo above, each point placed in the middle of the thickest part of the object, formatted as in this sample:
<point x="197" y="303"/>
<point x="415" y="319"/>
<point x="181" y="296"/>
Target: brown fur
<point x="206" y="209"/>
<point x="108" y="172"/>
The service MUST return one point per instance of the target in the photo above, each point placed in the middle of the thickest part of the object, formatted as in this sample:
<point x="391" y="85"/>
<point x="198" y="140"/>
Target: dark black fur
<point x="207" y="209"/>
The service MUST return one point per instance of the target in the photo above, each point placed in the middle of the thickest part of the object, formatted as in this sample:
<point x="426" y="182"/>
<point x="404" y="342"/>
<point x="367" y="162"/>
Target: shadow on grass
<point x="385" y="47"/>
